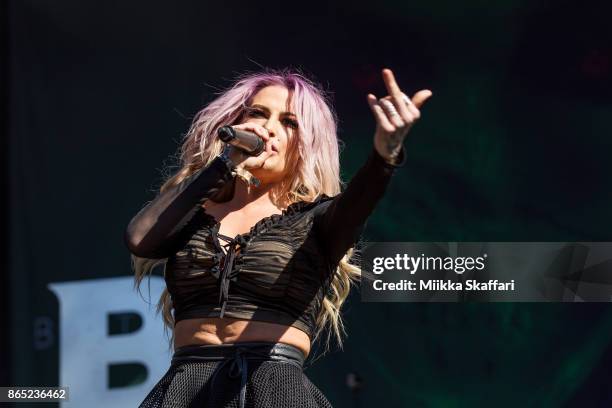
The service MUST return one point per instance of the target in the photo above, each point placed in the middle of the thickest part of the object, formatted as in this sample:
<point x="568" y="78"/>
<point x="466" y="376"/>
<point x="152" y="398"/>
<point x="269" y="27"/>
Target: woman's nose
<point x="270" y="128"/>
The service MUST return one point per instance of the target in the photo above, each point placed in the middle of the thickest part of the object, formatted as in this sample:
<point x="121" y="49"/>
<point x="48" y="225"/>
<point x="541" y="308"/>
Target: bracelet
<point x="240" y="172"/>
<point x="398" y="161"/>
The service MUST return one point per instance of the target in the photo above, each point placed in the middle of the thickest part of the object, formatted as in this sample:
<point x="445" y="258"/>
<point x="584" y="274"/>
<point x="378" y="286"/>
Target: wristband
<point x="236" y="171"/>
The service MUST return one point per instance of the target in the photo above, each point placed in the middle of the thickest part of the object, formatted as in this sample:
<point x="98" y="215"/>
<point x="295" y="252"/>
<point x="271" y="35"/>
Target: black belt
<point x="238" y="355"/>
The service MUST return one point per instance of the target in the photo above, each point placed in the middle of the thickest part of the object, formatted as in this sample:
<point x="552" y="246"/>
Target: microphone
<point x="244" y="140"/>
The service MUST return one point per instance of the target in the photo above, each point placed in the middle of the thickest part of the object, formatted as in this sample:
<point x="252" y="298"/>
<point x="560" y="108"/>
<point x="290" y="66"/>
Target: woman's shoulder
<point x="303" y="207"/>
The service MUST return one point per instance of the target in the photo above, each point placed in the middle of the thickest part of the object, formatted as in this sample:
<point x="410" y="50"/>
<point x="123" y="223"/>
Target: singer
<point x="257" y="248"/>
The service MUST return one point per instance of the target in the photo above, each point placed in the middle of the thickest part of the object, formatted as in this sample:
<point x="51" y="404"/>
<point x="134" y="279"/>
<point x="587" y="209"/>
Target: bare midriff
<point x="226" y="331"/>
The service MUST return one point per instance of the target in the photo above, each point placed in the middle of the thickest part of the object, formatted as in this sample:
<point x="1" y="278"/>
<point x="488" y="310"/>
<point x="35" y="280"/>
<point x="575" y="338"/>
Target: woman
<point x="257" y="249"/>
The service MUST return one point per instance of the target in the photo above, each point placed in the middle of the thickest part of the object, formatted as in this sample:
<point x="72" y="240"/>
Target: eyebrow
<point x="268" y="110"/>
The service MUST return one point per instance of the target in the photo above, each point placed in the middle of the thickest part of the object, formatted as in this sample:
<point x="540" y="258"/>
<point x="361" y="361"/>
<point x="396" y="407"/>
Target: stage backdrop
<point x="514" y="145"/>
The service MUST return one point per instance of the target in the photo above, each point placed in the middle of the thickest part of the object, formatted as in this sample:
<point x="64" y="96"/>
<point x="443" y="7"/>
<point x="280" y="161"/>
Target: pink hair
<point x="317" y="169"/>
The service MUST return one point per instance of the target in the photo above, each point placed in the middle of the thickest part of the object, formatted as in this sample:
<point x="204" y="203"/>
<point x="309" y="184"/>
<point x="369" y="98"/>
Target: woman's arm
<point x="339" y="222"/>
<point x="155" y="231"/>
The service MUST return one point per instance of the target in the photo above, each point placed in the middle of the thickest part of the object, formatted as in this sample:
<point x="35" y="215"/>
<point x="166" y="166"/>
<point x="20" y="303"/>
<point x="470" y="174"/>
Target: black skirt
<point x="254" y="375"/>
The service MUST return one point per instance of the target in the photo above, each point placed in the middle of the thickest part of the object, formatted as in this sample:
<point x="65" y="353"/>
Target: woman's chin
<point x="269" y="167"/>
<point x="268" y="173"/>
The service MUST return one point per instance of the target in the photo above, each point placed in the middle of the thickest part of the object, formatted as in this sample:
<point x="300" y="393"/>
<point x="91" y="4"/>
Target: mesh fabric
<point x="270" y="384"/>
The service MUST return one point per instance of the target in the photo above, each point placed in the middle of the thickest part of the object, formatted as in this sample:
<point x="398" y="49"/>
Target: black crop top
<point x="278" y="272"/>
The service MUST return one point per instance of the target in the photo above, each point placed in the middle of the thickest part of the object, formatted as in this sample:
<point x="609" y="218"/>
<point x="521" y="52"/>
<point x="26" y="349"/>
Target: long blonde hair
<point x="316" y="171"/>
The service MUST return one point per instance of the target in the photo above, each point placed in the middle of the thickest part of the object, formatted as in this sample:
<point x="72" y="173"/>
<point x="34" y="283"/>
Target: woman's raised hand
<point x="395" y="114"/>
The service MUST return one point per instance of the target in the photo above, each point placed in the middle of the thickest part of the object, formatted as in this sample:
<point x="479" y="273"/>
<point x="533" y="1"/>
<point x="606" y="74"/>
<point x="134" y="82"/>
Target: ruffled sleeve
<point x="155" y="232"/>
<point x="340" y="222"/>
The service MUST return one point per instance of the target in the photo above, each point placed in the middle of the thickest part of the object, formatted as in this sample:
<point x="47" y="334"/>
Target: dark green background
<point x="514" y="145"/>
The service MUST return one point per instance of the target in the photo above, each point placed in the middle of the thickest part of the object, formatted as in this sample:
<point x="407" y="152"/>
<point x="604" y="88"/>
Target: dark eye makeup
<point x="254" y="112"/>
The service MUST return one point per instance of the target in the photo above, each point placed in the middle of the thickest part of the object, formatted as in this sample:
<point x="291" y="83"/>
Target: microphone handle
<point x="244" y="140"/>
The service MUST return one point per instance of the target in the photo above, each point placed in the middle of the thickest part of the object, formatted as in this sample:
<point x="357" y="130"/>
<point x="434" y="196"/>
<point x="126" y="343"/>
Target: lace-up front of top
<point x="278" y="272"/>
<point x="228" y="271"/>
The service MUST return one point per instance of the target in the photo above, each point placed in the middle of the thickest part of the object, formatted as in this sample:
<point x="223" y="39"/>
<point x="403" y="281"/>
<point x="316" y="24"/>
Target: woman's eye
<point x="291" y="123"/>
<point x="288" y="122"/>
<point x="255" y="112"/>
